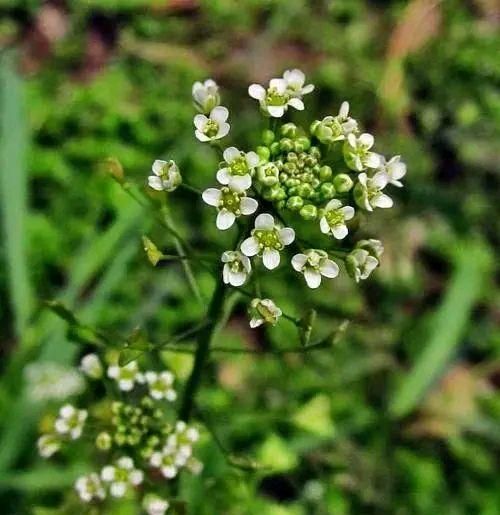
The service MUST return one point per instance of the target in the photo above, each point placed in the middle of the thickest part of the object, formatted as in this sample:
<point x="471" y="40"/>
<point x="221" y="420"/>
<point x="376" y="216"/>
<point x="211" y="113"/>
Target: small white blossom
<point x="374" y="247"/>
<point x="264" y="311"/>
<point x="166" y="176"/>
<point x="206" y="95"/>
<point x="160" y="385"/>
<point x="334" y="217"/>
<point x="212" y="127"/>
<point x="155" y="505"/>
<point x="238" y="168"/>
<point x="276" y="99"/>
<point x="231" y="202"/>
<point x="336" y="128"/>
<point x="70" y="421"/>
<point x="314" y="264"/>
<point x="394" y="168"/>
<point x="183" y="439"/>
<point x="90" y="488"/>
<point x="357" y="152"/>
<point x="91" y="366"/>
<point x="121" y="476"/>
<point x="48" y="445"/>
<point x="267" y="239"/>
<point x="126" y="376"/>
<point x="236" y="269"/>
<point x="168" y="461"/>
<point x="295" y="80"/>
<point x="50" y="381"/>
<point x="194" y="466"/>
<point x="360" y="264"/>
<point x="368" y="191"/>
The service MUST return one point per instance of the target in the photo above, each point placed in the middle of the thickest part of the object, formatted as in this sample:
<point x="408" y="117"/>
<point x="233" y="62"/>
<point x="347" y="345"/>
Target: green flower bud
<point x="264" y="153"/>
<point x="325" y="173"/>
<point x="289" y="130"/>
<point x="268" y="137"/>
<point x="372" y="246"/>
<point x="275" y="148"/>
<point x="315" y="152"/>
<point x="283" y="177"/>
<point x="343" y="183"/>
<point x="103" y="441"/>
<point x="314" y="126"/>
<point x="294" y="203"/>
<point x="304" y="142"/>
<point x="327" y="190"/>
<point x="291" y="157"/>
<point x="280" y="204"/>
<point x="290" y="167"/>
<point x="120" y="439"/>
<point x="268" y="174"/>
<point x="309" y="212"/>
<point x="305" y="190"/>
<point x="286" y="144"/>
<point x="271" y="193"/>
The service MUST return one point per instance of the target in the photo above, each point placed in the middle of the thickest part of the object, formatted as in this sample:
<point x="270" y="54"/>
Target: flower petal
<point x="367" y="140"/>
<point x="287" y="235"/>
<point x="382" y="200"/>
<point x="271" y="258"/>
<point x="211" y="196"/>
<point x="158" y="166"/>
<point x="230" y="154"/>
<point x="155" y="182"/>
<point x="313" y="278"/>
<point x="237" y="278"/>
<point x="240" y="183"/>
<point x="264" y="222"/>
<point x="201" y="136"/>
<point x="380" y="180"/>
<point x="373" y="160"/>
<point x="279" y="84"/>
<point x="252" y="159"/>
<point x="298" y="262"/>
<point x="200" y="120"/>
<point x="344" y="110"/>
<point x="348" y="212"/>
<point x="276" y="111"/>
<point x="296" y="103"/>
<point x="250" y="246"/>
<point x="223" y="130"/>
<point x="225" y="219"/>
<point x="339" y="231"/>
<point x="257" y="91"/>
<point x="308" y="88"/>
<point x="324" y="226"/>
<point x="219" y="114"/>
<point x="224" y="175"/>
<point x="333" y="204"/>
<point x="329" y="269"/>
<point x="248" y="205"/>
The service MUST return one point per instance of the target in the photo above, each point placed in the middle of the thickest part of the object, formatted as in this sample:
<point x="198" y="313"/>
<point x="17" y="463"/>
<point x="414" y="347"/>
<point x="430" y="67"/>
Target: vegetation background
<point x="401" y="415"/>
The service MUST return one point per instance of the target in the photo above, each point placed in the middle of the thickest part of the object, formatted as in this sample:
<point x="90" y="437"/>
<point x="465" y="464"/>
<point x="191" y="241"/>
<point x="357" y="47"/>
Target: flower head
<point x="231" y="202"/>
<point x="267" y="239"/>
<point x="155" y="505"/>
<point x="237" y="168"/>
<point x="206" y="95"/>
<point x="394" y="168"/>
<point x="314" y="264"/>
<point x="295" y="80"/>
<point x="275" y="100"/>
<point x="160" y="385"/>
<point x="368" y="191"/>
<point x="334" y="218"/>
<point x="70" y="421"/>
<point x="214" y="126"/>
<point x="90" y="488"/>
<point x="166" y="176"/>
<point x="236" y="269"/>
<point x="126" y="376"/>
<point x="360" y="264"/>
<point x="48" y="445"/>
<point x="335" y="128"/>
<point x="168" y="461"/>
<point x="264" y="311"/>
<point x="357" y="152"/>
<point x="91" y="366"/>
<point x="121" y="476"/>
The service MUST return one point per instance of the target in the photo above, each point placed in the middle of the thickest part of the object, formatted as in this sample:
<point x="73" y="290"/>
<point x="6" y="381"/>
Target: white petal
<point x="219" y="114"/>
<point x="298" y="262"/>
<point x="287" y="235"/>
<point x="252" y="159"/>
<point x="348" y="212"/>
<point x="155" y="182"/>
<point x="250" y="246"/>
<point x="230" y="154"/>
<point x="339" y="231"/>
<point x="248" y="205"/>
<point x="223" y="175"/>
<point x="223" y="130"/>
<point x="226" y="274"/>
<point x="212" y="196"/>
<point x="367" y="140"/>
<point x="351" y="139"/>
<point x="329" y="268"/>
<point x="201" y="136"/>
<point x="397" y="170"/>
<point x="257" y="91"/>
<point x="362" y="178"/>
<point x="136" y="477"/>
<point x="295" y="77"/>
<point x="279" y="84"/>
<point x="240" y="182"/>
<point x="372" y="160"/>
<point x="313" y="278"/>
<point x="200" y="120"/>
<point x="225" y="219"/>
<point x="118" y="489"/>
<point x="344" y="110"/>
<point x="276" y="111"/>
<point x="324" y="226"/>
<point x="382" y="200"/>
<point x="271" y="258"/>
<point x="380" y="180"/>
<point x="108" y="473"/>
<point x="237" y="278"/>
<point x="333" y="204"/>
<point x="158" y="166"/>
<point x="308" y="88"/>
<point x="255" y="322"/>
<point x="264" y="222"/>
<point x="296" y="103"/>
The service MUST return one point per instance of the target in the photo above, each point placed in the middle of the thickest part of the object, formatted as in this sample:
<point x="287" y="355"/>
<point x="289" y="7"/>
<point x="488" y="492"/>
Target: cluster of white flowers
<point x="51" y="381"/>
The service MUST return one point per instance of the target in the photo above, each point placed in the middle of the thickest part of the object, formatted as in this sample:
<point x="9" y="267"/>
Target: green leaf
<point x="315" y="416"/>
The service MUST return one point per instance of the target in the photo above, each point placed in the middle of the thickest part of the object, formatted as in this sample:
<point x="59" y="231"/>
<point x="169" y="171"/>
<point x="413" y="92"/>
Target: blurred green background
<point x="402" y="414"/>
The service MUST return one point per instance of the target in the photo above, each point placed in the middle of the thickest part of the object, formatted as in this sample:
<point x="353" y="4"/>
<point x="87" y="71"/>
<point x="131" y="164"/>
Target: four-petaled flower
<point x="394" y="168"/>
<point x="231" y="202"/>
<point x="263" y="311"/>
<point x="90" y="488"/>
<point x="48" y="445"/>
<point x="70" y="421"/>
<point x="295" y="80"/>
<point x="335" y="128"/>
<point x="166" y="176"/>
<point x="276" y="99"/>
<point x="334" y="217"/>
<point x="360" y="264"/>
<point x="212" y="127"/>
<point x="313" y="264"/>
<point x="357" y="152"/>
<point x="368" y="191"/>
<point x="160" y="385"/>
<point x="183" y="439"/>
<point x="236" y="268"/>
<point x="121" y="476"/>
<point x="237" y="168"/>
<point x="126" y="376"/>
<point x="155" y="505"/>
<point x="168" y="460"/>
<point x="91" y="366"/>
<point x="206" y="95"/>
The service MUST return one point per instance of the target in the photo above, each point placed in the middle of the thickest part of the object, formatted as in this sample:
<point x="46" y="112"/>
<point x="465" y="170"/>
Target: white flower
<point x="335" y="128"/>
<point x="238" y="169"/>
<point x="313" y="264"/>
<point x="89" y="488"/>
<point x="48" y="445"/>
<point x="166" y="176"/>
<point x="194" y="466"/>
<point x="155" y="505"/>
<point x="374" y="247"/>
<point x="213" y="127"/>
<point x="360" y="264"/>
<point x="236" y="269"/>
<point x="206" y="95"/>
<point x="231" y="202"/>
<point x="51" y="381"/>
<point x="267" y="239"/>
<point x="394" y="168"/>
<point x="276" y="99"/>
<point x="357" y="153"/>
<point x="368" y="191"/>
<point x="91" y="366"/>
<point x="126" y="376"/>
<point x="168" y="461"/>
<point x="121" y="476"/>
<point x="160" y="385"/>
<point x="295" y="80"/>
<point x="70" y="421"/>
<point x="334" y="217"/>
<point x="264" y="311"/>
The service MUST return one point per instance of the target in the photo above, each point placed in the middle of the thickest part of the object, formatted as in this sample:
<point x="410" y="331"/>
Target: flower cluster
<point x="138" y="436"/>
